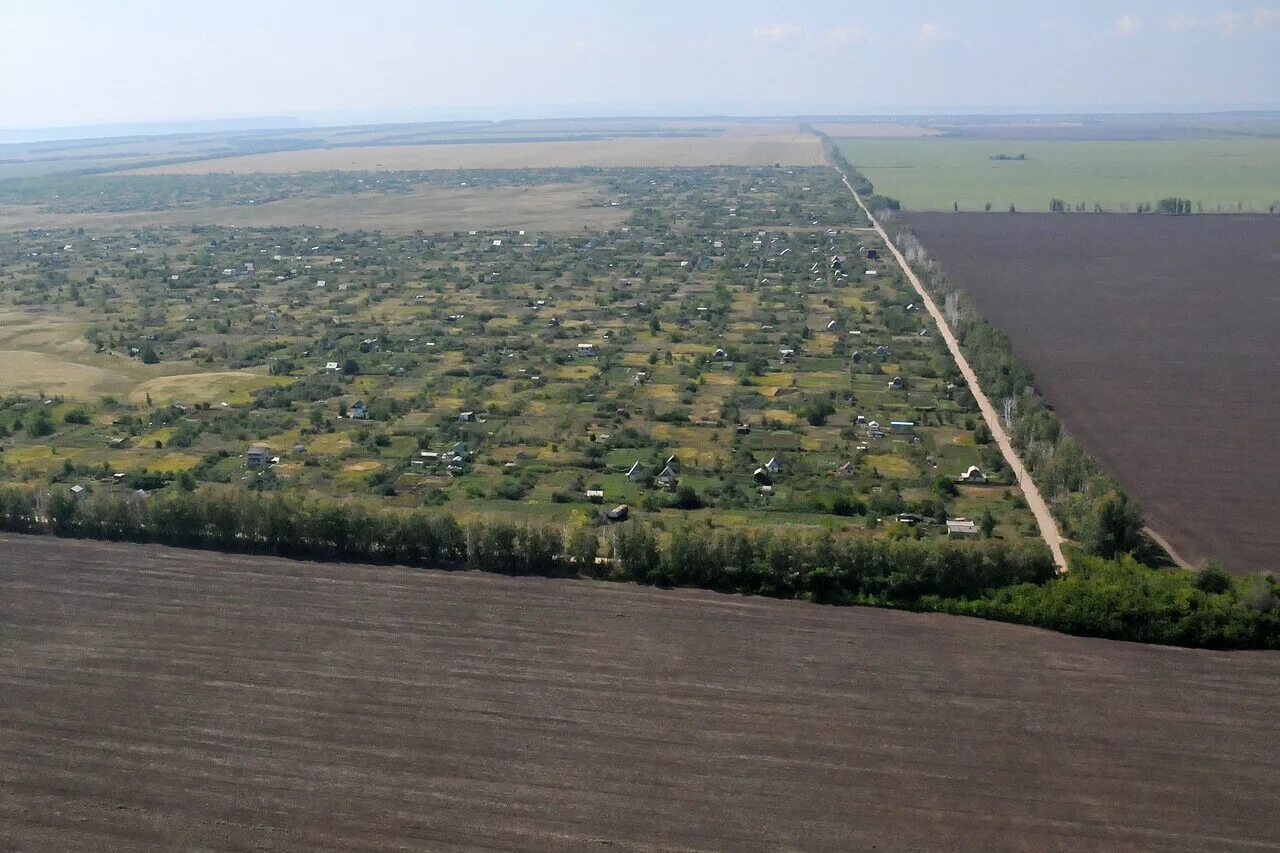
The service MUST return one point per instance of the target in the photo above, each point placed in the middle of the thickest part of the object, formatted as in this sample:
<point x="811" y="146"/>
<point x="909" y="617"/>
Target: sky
<point x="84" y="62"/>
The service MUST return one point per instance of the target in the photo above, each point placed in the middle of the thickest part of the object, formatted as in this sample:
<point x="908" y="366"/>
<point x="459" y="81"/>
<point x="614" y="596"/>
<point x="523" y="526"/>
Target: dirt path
<point x="1048" y="526"/>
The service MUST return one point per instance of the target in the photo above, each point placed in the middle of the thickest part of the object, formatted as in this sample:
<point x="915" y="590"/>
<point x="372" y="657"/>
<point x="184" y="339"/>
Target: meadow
<point x="1219" y="175"/>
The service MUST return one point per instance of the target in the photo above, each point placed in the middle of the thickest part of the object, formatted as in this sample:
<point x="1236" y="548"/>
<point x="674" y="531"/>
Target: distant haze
<point x="83" y="62"/>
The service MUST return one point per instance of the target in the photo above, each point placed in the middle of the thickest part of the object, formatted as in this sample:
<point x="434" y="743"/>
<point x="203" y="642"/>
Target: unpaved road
<point x="1048" y="526"/>
<point x="160" y="699"/>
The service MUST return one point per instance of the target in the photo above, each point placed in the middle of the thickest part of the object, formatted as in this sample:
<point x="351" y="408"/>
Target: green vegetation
<point x="732" y="320"/>
<point x="943" y="174"/>
<point x="1120" y="600"/>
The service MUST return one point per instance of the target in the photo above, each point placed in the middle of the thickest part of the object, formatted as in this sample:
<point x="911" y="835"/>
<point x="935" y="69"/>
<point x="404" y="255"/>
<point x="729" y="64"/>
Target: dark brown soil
<point x="163" y="699"/>
<point x="1157" y="338"/>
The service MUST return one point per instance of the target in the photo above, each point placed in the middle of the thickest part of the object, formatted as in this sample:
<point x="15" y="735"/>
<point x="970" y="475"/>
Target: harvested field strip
<point x="171" y="699"/>
<point x="1155" y="339"/>
<point x="610" y="153"/>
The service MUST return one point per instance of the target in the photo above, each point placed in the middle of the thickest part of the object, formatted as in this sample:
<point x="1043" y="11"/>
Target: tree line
<point x="1015" y="582"/>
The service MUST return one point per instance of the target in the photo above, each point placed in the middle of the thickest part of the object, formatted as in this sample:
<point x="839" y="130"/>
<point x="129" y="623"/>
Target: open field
<point x="1219" y="175"/>
<point x="544" y="207"/>
<point x="168" y="699"/>
<point x="876" y="130"/>
<point x="1155" y="338"/>
<point x="744" y="150"/>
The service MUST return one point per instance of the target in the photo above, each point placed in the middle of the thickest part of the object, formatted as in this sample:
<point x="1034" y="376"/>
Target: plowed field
<point x="163" y="699"/>
<point x="1157" y="338"/>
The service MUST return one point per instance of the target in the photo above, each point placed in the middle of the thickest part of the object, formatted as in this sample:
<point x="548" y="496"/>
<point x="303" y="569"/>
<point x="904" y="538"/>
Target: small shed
<point x="619" y="513"/>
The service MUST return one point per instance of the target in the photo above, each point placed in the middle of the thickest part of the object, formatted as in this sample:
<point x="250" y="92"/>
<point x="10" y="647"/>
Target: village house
<point x="667" y="479"/>
<point x="258" y="455"/>
<point x="636" y="472"/>
<point x="972" y="476"/>
<point x="897" y="384"/>
<point x="358" y="411"/>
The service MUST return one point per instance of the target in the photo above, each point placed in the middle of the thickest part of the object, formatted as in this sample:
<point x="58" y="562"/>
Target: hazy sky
<point x="90" y="61"/>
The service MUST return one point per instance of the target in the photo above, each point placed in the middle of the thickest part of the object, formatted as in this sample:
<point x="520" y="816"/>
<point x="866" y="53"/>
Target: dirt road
<point x="1048" y="526"/>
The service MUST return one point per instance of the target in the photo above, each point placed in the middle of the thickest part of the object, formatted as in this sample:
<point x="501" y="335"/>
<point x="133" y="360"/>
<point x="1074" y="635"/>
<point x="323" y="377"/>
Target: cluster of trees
<point x="1125" y="600"/>
<point x="1118" y="599"/>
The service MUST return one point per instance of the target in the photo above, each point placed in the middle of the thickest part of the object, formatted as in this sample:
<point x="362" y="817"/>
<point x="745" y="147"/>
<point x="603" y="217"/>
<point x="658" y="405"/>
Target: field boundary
<point x="1044" y="518"/>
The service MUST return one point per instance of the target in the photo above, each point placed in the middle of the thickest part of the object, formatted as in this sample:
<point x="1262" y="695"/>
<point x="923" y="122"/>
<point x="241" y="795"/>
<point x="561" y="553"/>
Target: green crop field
<point x="1217" y="175"/>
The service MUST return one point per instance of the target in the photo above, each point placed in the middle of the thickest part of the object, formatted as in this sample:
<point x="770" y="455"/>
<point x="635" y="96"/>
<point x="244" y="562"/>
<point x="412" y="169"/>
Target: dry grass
<point x="230" y="386"/>
<point x="550" y="207"/>
<point x="26" y="372"/>
<point x="763" y="150"/>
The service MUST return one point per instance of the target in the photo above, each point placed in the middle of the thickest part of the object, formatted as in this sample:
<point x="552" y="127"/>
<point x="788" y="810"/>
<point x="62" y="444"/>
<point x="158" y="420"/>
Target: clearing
<point x="1154" y="337"/>
<point x="161" y="698"/>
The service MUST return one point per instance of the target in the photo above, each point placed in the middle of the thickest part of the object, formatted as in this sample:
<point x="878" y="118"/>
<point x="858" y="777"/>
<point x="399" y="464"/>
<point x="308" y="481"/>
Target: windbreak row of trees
<point x="1117" y="599"/>
<point x="776" y="563"/>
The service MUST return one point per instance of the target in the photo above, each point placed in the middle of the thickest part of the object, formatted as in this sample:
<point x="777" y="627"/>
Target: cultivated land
<point x="161" y="699"/>
<point x="1155" y="339"/>
<point x="546" y="207"/>
<point x="787" y="150"/>
<point x="1221" y="175"/>
<point x="724" y="317"/>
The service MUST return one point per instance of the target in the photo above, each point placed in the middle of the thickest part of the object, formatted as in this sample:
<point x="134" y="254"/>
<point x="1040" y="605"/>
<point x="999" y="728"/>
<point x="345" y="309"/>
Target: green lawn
<point x="1222" y="175"/>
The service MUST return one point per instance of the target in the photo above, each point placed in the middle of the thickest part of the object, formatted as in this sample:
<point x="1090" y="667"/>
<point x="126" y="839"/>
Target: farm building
<point x="619" y="513"/>
<point x="258" y="455"/>
<point x="961" y="527"/>
<point x="848" y="469"/>
<point x="595" y="495"/>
